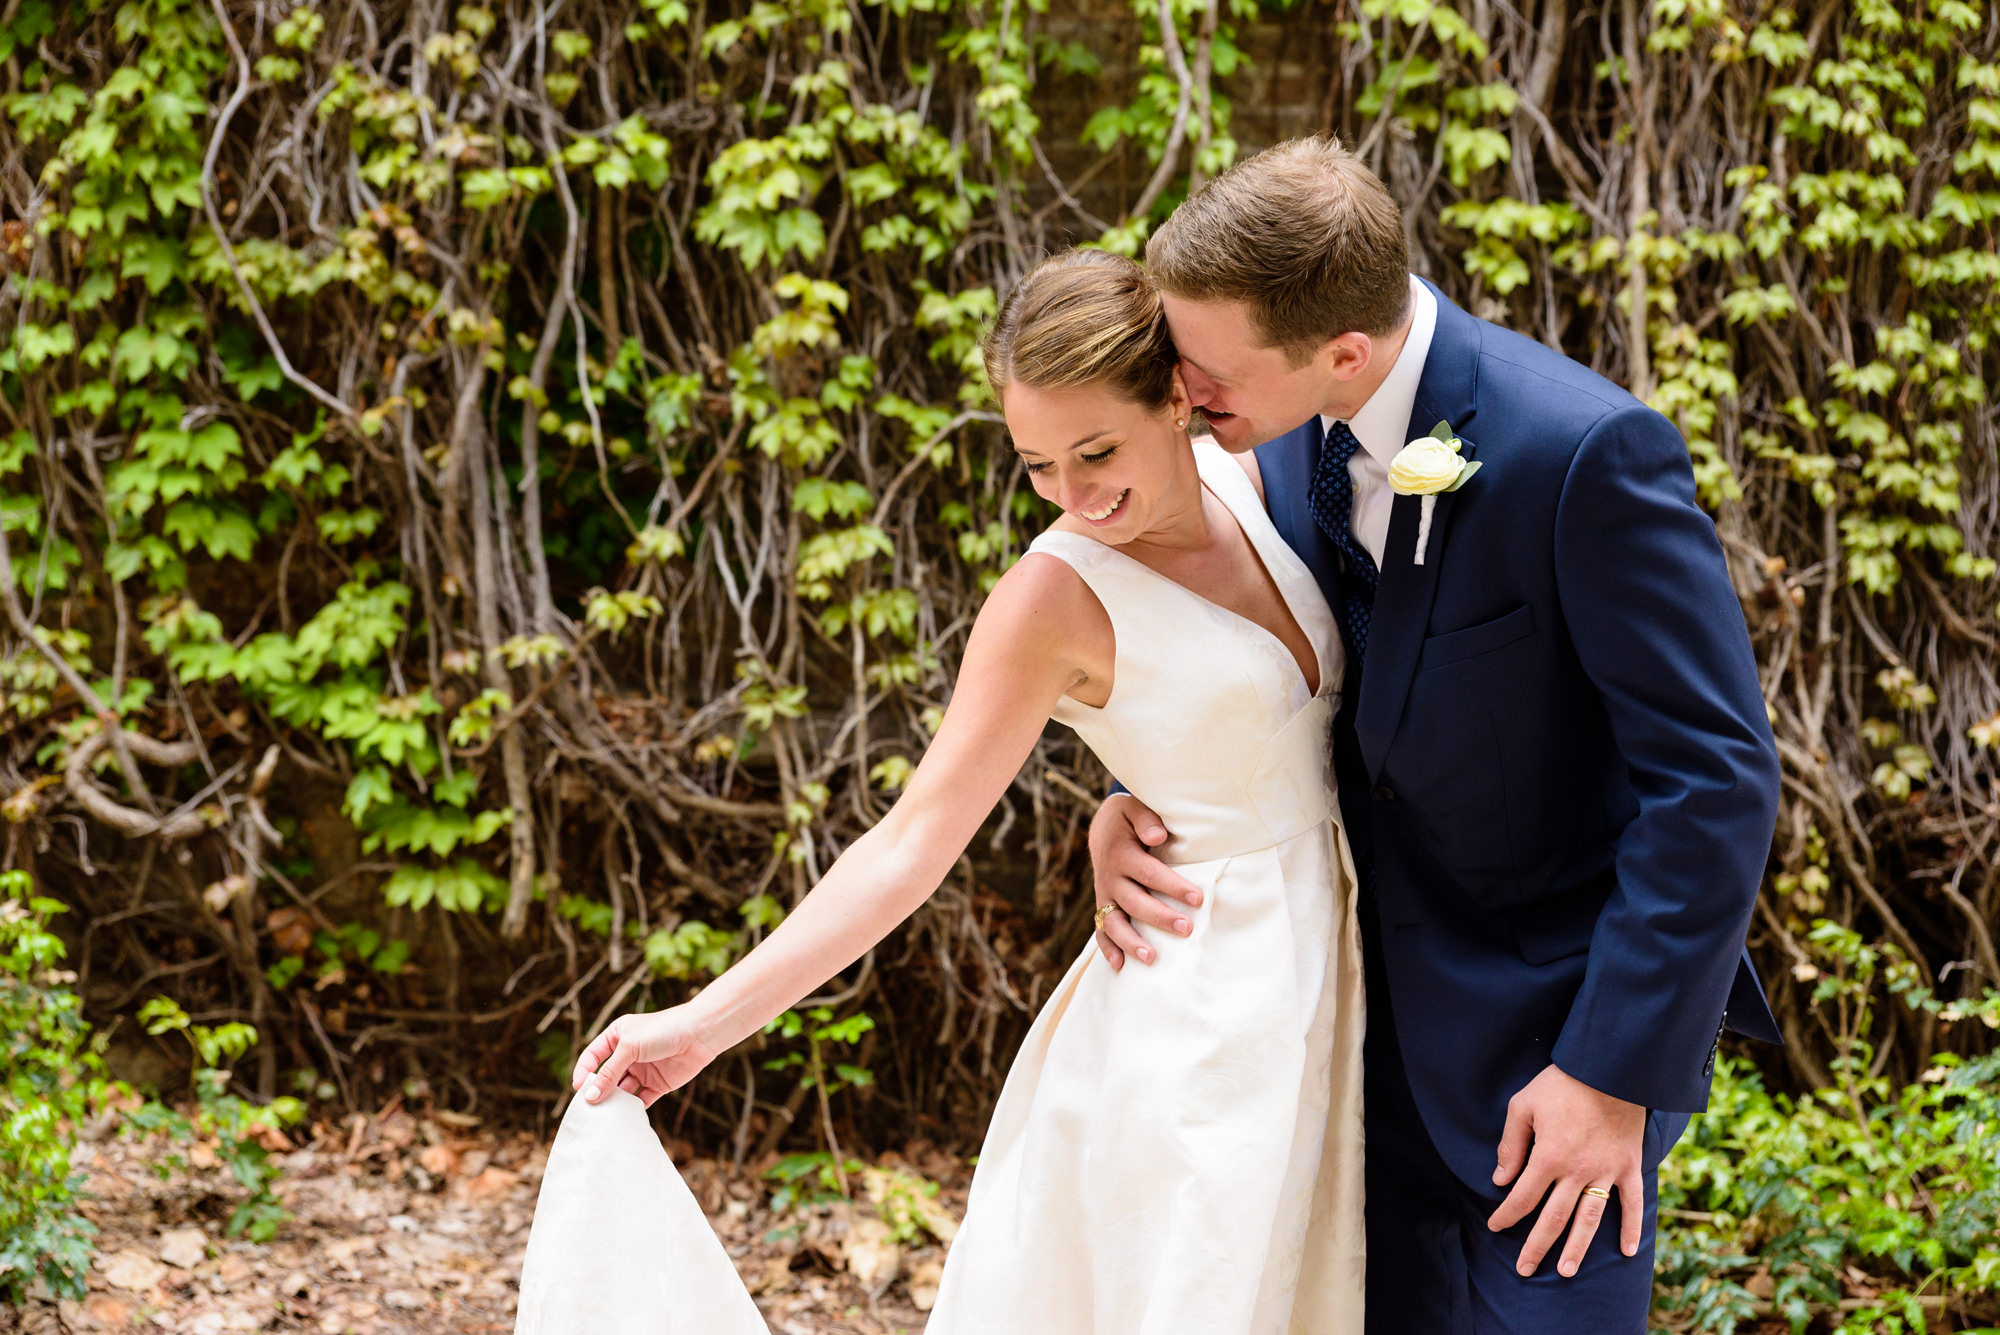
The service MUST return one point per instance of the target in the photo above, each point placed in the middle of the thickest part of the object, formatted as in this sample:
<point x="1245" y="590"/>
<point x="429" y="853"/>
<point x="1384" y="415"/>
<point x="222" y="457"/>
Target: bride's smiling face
<point x="1119" y="468"/>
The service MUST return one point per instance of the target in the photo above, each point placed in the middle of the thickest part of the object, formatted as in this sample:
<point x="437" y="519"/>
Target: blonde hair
<point x="1083" y="317"/>
<point x="1302" y="233"/>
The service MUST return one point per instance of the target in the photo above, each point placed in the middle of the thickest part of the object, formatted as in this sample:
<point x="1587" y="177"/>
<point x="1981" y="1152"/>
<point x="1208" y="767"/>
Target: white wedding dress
<point x="1177" y="1149"/>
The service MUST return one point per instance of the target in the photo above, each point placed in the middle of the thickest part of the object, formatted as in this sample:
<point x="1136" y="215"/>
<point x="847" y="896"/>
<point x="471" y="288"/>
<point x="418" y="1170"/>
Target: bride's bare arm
<point x="1020" y="657"/>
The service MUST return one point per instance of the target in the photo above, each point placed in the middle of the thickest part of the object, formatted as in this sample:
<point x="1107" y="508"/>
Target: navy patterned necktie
<point x="1332" y="502"/>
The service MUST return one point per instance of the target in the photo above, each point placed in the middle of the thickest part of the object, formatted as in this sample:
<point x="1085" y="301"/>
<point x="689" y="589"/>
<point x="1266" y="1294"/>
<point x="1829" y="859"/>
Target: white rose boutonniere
<point x="1427" y="467"/>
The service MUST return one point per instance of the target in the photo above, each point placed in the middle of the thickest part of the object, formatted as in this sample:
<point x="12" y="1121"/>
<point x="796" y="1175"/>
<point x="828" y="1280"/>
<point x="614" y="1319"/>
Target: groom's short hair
<point x="1302" y="233"/>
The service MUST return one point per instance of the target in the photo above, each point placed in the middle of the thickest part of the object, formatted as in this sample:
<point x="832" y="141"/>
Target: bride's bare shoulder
<point x="1042" y="587"/>
<point x="1042" y="605"/>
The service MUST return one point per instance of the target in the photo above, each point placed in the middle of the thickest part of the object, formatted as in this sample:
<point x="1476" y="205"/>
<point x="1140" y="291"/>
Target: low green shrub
<point x="51" y="1079"/>
<point x="1860" y="1208"/>
<point x="242" y="1130"/>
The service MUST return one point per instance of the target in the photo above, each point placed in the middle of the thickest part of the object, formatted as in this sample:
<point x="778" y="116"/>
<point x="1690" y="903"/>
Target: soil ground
<point x="412" y="1224"/>
<point x="405" y="1224"/>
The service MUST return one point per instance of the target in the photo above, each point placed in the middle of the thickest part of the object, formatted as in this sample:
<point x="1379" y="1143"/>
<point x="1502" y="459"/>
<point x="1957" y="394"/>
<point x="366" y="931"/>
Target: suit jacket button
<point x="1384" y="793"/>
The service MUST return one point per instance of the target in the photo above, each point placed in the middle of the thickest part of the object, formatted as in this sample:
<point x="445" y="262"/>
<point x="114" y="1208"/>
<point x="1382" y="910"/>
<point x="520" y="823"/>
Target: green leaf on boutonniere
<point x="1471" y="467"/>
<point x="1442" y="431"/>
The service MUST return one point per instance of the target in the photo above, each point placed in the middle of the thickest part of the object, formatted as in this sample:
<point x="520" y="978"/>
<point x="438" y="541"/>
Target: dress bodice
<point x="1210" y="722"/>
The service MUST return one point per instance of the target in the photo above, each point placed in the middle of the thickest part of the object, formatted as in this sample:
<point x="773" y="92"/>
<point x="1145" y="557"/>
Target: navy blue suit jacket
<point x="1567" y="784"/>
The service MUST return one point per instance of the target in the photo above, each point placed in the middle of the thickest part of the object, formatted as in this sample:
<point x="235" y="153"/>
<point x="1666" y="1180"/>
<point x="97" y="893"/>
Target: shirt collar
<point x="1380" y="424"/>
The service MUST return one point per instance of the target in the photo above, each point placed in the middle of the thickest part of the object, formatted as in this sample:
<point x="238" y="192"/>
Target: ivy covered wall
<point x="493" y="497"/>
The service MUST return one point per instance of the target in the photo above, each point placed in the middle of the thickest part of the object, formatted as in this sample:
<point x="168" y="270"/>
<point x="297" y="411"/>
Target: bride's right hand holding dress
<point x="644" y="1054"/>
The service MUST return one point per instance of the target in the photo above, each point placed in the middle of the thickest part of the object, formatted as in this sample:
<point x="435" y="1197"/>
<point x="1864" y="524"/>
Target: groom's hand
<point x="1127" y="874"/>
<point x="1582" y="1138"/>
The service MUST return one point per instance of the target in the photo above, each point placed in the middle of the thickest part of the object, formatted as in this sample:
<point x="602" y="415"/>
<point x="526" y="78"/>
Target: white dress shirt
<point x="1380" y="425"/>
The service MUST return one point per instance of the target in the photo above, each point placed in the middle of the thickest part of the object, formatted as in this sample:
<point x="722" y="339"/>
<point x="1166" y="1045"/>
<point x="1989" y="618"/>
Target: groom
<point x="1554" y="759"/>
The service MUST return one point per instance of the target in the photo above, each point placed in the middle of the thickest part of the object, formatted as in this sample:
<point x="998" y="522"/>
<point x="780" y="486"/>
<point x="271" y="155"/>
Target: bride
<point x="1177" y="1149"/>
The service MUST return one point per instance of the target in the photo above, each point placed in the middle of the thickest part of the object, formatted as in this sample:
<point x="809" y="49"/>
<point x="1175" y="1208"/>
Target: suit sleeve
<point x="1658" y="628"/>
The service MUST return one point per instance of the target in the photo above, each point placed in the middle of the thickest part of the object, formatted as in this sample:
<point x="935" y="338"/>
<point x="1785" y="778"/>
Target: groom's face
<point x="1250" y="393"/>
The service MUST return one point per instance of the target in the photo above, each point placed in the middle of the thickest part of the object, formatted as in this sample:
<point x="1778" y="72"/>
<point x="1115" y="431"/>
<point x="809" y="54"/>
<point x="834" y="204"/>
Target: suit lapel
<point x="1406" y="590"/>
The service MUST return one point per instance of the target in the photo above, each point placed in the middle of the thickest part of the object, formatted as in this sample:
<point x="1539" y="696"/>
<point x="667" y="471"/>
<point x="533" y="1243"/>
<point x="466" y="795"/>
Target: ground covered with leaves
<point x="408" y="1224"/>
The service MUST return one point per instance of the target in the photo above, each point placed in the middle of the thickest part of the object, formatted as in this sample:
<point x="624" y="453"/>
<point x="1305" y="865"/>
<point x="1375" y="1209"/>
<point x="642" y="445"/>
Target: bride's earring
<point x="1181" y="422"/>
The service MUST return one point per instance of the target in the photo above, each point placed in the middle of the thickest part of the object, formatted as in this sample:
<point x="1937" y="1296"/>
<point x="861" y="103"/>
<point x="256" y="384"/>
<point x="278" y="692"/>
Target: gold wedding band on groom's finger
<point x="1097" y="918"/>
<point x="1602" y="1193"/>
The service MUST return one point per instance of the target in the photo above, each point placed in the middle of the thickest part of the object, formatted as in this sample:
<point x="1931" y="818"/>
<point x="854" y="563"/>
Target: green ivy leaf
<point x="222" y="531"/>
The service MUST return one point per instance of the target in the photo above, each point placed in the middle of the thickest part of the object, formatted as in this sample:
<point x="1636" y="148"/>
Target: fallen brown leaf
<point x="492" y="1183"/>
<point x="346" y="1249"/>
<point x="871" y="1257"/>
<point x="183" y="1247"/>
<point x="131" y="1269"/>
<point x="291" y="930"/>
<point x="924" y="1284"/>
<point x="108" y="1312"/>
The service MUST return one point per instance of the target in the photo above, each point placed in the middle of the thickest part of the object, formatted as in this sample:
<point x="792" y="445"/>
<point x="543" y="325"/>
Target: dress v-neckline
<point x="1257" y="552"/>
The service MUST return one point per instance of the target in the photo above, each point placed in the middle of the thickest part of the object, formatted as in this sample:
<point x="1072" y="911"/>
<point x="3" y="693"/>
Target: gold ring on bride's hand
<point x="1097" y="918"/>
<point x="1602" y="1193"/>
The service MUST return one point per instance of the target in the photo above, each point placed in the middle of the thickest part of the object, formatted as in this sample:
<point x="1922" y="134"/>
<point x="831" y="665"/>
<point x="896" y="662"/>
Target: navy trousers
<point x="1434" y="1268"/>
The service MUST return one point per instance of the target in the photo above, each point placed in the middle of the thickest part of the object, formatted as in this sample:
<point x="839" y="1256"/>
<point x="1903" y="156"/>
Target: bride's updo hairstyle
<point x="1081" y="318"/>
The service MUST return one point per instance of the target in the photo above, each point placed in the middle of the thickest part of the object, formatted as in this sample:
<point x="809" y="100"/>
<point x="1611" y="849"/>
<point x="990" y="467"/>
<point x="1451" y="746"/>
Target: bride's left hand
<point x="648" y="1055"/>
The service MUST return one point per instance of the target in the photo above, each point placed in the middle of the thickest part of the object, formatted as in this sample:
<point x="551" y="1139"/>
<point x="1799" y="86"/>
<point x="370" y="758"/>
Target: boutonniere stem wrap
<point x="1429" y="466"/>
